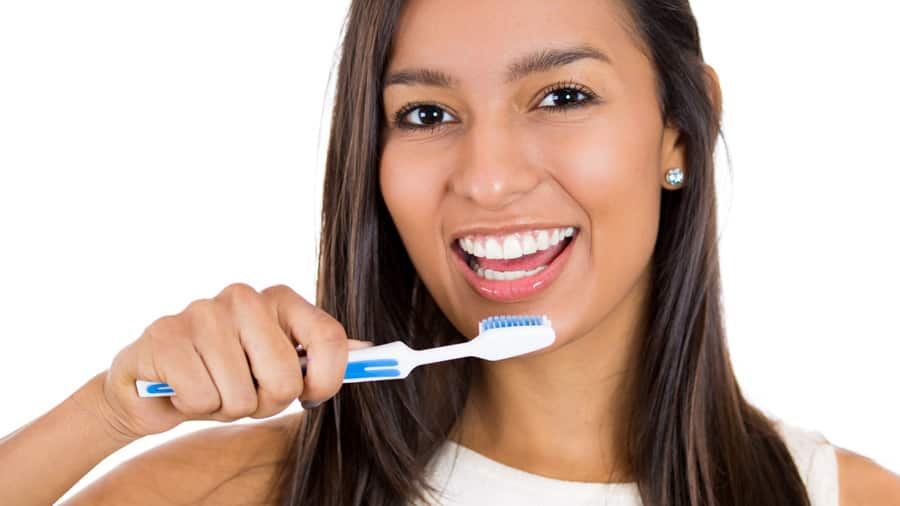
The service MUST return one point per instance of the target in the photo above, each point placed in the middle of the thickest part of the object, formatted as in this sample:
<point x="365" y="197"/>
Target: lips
<point x="518" y="289"/>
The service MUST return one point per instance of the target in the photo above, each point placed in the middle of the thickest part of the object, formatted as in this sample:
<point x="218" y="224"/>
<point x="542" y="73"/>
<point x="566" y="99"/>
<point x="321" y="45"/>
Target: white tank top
<point x="474" y="479"/>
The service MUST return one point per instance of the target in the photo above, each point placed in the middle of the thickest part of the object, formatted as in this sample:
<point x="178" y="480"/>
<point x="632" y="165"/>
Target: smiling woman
<point x="537" y="157"/>
<point x="486" y="157"/>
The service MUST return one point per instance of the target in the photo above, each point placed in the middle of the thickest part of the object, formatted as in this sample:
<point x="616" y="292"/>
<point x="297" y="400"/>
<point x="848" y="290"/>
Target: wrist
<point x="91" y="400"/>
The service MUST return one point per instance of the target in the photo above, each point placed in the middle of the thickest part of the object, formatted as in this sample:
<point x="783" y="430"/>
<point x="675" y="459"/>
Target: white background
<point x="152" y="153"/>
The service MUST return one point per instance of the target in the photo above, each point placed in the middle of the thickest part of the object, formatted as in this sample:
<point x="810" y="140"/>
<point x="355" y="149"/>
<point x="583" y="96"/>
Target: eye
<point x="566" y="95"/>
<point x="421" y="117"/>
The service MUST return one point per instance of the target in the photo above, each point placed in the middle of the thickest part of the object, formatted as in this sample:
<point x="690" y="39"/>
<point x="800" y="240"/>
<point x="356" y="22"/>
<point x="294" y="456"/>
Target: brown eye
<point x="427" y="116"/>
<point x="564" y="97"/>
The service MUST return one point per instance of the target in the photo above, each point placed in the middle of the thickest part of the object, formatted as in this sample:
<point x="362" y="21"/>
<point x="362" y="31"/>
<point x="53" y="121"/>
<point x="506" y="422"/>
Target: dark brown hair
<point x="692" y="437"/>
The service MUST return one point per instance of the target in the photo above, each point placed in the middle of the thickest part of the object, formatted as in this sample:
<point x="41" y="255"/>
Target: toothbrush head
<point x="506" y="336"/>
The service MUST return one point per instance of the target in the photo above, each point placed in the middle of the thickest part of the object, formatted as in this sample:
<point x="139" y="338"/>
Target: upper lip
<point x="506" y="229"/>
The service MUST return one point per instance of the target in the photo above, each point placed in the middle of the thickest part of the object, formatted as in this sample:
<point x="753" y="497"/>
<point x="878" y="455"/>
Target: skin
<point x="499" y="157"/>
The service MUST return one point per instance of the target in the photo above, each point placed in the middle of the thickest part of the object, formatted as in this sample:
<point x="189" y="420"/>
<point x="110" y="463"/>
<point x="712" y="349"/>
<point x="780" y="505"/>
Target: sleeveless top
<point x="465" y="477"/>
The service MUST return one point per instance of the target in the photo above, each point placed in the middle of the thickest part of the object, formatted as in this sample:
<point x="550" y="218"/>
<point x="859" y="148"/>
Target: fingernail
<point x="309" y="404"/>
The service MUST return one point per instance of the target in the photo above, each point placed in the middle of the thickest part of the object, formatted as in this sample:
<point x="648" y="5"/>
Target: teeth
<point x="529" y="245"/>
<point x="507" y="276"/>
<point x="514" y="245"/>
<point x="477" y="250"/>
<point x="492" y="248"/>
<point x="512" y="248"/>
<point x="543" y="240"/>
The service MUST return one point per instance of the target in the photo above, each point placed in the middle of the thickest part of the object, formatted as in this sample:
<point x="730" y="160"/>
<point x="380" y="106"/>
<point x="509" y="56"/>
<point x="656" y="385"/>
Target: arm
<point x="862" y="482"/>
<point x="234" y="464"/>
<point x="43" y="459"/>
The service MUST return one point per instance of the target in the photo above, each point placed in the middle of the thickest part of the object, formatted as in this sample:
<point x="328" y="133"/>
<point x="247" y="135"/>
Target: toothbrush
<point x="499" y="337"/>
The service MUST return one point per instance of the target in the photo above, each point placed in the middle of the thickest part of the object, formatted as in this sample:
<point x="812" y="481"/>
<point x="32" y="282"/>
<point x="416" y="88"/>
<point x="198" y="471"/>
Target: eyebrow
<point x="538" y="61"/>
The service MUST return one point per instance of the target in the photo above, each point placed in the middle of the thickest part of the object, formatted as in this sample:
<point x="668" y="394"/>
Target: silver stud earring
<point x="675" y="176"/>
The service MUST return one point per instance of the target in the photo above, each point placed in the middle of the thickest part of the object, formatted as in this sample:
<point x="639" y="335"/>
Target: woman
<point x="461" y="127"/>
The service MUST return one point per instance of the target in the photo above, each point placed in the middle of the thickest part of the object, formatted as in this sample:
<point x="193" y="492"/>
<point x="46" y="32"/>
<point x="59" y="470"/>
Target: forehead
<point x="474" y="37"/>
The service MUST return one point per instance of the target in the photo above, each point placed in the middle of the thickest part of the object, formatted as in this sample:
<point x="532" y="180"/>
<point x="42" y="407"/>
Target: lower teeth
<point x="503" y="275"/>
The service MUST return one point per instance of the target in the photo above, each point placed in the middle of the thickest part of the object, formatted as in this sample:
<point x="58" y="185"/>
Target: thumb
<point x="355" y="344"/>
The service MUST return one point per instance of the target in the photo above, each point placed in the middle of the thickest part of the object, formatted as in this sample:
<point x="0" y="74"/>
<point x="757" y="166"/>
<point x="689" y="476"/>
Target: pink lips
<point x="519" y="289"/>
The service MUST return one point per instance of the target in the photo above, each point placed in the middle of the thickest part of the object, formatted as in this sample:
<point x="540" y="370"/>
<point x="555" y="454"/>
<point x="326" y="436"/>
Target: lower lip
<point x="518" y="289"/>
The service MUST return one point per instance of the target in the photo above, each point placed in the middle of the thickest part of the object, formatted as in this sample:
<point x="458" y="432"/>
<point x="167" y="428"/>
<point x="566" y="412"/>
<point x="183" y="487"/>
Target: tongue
<point x="526" y="262"/>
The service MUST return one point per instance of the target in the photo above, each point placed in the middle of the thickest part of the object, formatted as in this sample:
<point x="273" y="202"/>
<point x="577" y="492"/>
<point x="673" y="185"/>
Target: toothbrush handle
<point x="381" y="362"/>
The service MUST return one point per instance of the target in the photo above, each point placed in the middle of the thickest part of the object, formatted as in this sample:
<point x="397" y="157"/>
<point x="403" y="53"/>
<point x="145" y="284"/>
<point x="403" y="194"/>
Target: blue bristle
<point x="506" y="321"/>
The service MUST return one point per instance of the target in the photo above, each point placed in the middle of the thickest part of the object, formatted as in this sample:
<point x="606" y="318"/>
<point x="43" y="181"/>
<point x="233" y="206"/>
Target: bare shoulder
<point x="231" y="464"/>
<point x="862" y="482"/>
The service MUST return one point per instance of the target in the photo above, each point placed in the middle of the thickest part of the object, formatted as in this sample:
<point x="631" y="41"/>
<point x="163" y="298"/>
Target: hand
<point x="228" y="357"/>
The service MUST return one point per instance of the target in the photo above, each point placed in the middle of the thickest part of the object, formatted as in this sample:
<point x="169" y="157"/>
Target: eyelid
<point x="562" y="85"/>
<point x="408" y="108"/>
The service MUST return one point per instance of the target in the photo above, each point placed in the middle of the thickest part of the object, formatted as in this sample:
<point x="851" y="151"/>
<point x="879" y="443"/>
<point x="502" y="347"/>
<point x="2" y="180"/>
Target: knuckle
<point x="201" y="405"/>
<point x="328" y="328"/>
<point x="336" y="335"/>
<point x="209" y="319"/>
<point x="266" y="412"/>
<point x="198" y="306"/>
<point x="240" y="406"/>
<point x="209" y="404"/>
<point x="284" y="392"/>
<point x="167" y="328"/>
<point x="239" y="293"/>
<point x="204" y="311"/>
<point x="279" y="291"/>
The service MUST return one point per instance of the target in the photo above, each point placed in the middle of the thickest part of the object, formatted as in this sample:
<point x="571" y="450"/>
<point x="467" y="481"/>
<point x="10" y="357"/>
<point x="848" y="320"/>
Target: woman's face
<point x="481" y="159"/>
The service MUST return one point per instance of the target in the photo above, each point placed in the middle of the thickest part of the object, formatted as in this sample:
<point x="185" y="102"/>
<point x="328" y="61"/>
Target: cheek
<point x="412" y="196"/>
<point x="609" y="168"/>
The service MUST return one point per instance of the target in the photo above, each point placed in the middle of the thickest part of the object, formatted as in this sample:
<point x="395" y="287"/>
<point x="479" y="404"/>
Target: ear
<point x="673" y="150"/>
<point x="672" y="155"/>
<point x="714" y="90"/>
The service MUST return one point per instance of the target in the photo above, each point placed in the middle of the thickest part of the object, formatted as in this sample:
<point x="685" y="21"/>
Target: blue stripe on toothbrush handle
<point x="358" y="369"/>
<point x="159" y="388"/>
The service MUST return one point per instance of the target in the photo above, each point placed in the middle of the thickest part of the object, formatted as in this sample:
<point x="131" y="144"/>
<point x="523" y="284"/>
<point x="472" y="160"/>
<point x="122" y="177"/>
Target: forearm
<point x="42" y="460"/>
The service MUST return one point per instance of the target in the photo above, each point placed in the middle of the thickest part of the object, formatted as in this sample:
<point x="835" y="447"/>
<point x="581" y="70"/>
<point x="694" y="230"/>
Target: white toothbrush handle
<point x="442" y="353"/>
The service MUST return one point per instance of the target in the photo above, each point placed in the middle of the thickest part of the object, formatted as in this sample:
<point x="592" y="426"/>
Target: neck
<point x="562" y="413"/>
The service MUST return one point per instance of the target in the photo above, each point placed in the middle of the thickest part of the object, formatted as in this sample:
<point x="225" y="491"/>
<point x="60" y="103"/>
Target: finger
<point x="272" y="357"/>
<point x="322" y="337"/>
<point x="352" y="344"/>
<point x="216" y="338"/>
<point x="179" y="364"/>
<point x="355" y="344"/>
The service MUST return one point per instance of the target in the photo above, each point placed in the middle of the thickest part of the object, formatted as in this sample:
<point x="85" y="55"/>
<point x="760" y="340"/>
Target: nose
<point x="494" y="167"/>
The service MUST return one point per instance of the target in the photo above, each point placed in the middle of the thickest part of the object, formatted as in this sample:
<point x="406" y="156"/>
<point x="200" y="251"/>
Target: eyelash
<point x="562" y="85"/>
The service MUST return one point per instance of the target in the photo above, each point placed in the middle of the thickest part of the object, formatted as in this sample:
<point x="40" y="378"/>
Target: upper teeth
<point x="514" y="245"/>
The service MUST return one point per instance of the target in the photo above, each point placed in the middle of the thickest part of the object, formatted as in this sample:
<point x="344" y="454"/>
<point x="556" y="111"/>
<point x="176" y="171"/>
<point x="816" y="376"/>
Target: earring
<point x="675" y="176"/>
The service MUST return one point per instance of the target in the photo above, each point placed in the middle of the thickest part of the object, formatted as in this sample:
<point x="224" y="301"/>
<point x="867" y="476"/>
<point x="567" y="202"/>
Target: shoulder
<point x="229" y="464"/>
<point x="862" y="482"/>
<point x="835" y="476"/>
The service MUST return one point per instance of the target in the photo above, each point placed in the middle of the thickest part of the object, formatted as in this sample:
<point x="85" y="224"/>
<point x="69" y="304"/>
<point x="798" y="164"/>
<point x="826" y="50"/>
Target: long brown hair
<point x="692" y="437"/>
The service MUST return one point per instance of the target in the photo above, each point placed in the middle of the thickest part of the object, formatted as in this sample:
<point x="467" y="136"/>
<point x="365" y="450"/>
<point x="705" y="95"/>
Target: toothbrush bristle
<point x="504" y="321"/>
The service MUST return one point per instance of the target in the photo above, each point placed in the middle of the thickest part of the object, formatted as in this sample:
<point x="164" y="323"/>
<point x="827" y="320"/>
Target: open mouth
<point x="512" y="269"/>
<point x="504" y="275"/>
